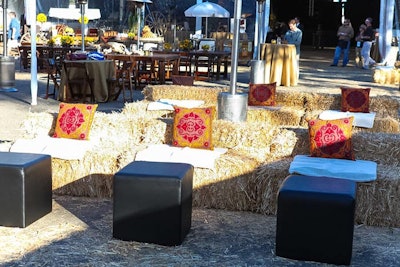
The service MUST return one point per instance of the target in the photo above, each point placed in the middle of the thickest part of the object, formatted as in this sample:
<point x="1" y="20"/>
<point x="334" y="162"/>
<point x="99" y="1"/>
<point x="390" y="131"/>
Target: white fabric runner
<point x="62" y="148"/>
<point x="356" y="170"/>
<point x="365" y="120"/>
<point x="201" y="158"/>
<point x="168" y="104"/>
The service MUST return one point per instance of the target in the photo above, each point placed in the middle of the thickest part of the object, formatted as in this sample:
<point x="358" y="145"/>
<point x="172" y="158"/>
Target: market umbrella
<point x="207" y="10"/>
<point x="74" y="13"/>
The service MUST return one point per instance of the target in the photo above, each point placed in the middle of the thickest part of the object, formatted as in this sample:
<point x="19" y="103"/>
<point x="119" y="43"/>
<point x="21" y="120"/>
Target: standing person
<point x="299" y="25"/>
<point x="13" y="31"/>
<point x="359" y="45"/>
<point x="367" y="37"/>
<point x="294" y="36"/>
<point x="344" y="34"/>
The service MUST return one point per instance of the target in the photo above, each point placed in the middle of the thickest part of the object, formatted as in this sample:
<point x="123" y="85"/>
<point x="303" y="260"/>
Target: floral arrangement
<point x="67" y="40"/>
<point x="51" y="41"/>
<point x="186" y="45"/>
<point x="205" y="47"/>
<point x="85" y="20"/>
<point x="41" y="18"/>
<point x="167" y="46"/>
<point x="131" y="35"/>
<point x="68" y="31"/>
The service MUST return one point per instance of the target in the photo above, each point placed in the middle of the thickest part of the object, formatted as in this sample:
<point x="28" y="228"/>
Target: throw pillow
<point x="74" y="121"/>
<point x="331" y="138"/>
<point x="355" y="99"/>
<point x="193" y="127"/>
<point x="262" y="94"/>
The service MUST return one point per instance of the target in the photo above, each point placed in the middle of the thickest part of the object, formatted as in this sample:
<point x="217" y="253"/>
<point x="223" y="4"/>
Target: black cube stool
<point x="25" y="188"/>
<point x="153" y="202"/>
<point x="315" y="219"/>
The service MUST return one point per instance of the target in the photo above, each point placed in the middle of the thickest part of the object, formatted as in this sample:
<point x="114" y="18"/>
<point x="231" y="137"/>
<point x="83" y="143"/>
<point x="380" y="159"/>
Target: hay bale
<point x="285" y="116"/>
<point x="229" y="186"/>
<point x="384" y="106"/>
<point x="269" y="178"/>
<point x="382" y="125"/>
<point x="208" y="94"/>
<point x="386" y="75"/>
<point x="139" y="109"/>
<point x="39" y="124"/>
<point x="378" y="202"/>
<point x="383" y="148"/>
<point x="318" y="101"/>
<point x="290" y="98"/>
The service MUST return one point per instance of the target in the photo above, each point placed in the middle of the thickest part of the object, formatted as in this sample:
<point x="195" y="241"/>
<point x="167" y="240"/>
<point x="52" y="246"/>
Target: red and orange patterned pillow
<point x="74" y="121"/>
<point x="193" y="127"/>
<point x="331" y="138"/>
<point x="355" y="99"/>
<point x="262" y="94"/>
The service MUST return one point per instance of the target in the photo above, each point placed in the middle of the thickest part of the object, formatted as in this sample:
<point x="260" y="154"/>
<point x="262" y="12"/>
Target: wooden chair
<point x="53" y="74"/>
<point x="78" y="83"/>
<point x="124" y="77"/>
<point x="145" y="72"/>
<point x="185" y="64"/>
<point x="204" y="64"/>
<point x="203" y="67"/>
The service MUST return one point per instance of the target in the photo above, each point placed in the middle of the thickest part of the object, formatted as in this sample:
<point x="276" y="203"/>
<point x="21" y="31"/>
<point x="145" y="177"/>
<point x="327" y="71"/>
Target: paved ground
<point x="78" y="231"/>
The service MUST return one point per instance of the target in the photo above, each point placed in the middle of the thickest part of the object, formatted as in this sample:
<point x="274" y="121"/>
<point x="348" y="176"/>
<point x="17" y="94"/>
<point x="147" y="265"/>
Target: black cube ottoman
<point x="25" y="188"/>
<point x="315" y="219"/>
<point x="153" y="202"/>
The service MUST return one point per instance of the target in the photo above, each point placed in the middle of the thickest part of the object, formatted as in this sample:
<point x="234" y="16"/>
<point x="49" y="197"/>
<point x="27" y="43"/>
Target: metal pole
<point x="4" y="5"/>
<point x="235" y="46"/>
<point x="232" y="106"/>
<point x="139" y="11"/>
<point x="83" y="27"/>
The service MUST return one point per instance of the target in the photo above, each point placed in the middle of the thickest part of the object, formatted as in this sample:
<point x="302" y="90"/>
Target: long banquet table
<point x="215" y="58"/>
<point x="281" y="65"/>
<point x="158" y="60"/>
<point x="45" y="51"/>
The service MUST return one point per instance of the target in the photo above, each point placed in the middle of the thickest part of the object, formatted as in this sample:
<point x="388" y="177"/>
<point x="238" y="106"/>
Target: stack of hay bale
<point x="260" y="150"/>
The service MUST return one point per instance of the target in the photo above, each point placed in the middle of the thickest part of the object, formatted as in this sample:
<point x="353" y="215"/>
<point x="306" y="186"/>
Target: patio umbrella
<point x="74" y="13"/>
<point x="207" y="10"/>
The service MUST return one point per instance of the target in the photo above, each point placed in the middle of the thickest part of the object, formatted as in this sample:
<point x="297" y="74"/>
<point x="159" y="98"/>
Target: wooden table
<point x="100" y="71"/>
<point x="281" y="65"/>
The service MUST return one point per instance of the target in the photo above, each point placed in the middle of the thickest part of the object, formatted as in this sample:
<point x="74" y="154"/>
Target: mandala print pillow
<point x="74" y="121"/>
<point x="331" y="138"/>
<point x="355" y="99"/>
<point x="193" y="127"/>
<point x="262" y="94"/>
